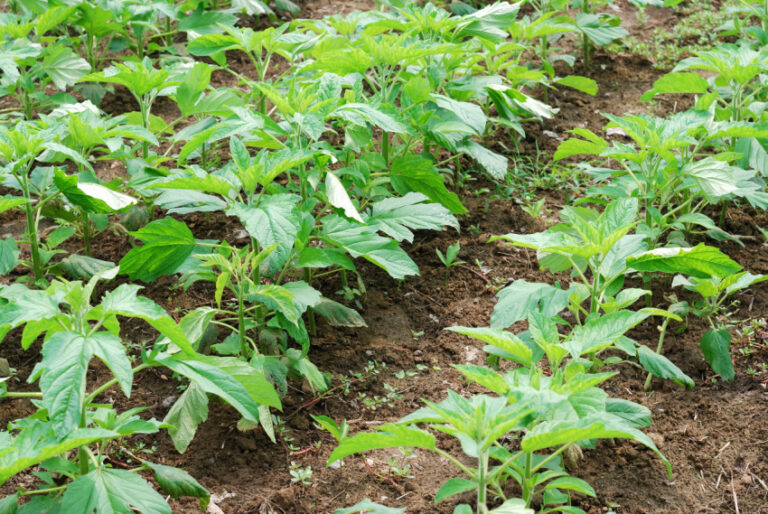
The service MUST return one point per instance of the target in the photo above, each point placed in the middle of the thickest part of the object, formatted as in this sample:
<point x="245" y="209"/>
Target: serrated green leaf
<point x="167" y="244"/>
<point x="107" y="491"/>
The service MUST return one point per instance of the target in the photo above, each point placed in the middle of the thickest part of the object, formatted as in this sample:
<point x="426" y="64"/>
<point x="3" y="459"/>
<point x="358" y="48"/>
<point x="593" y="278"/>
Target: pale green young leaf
<point x="584" y="84"/>
<point x="386" y="436"/>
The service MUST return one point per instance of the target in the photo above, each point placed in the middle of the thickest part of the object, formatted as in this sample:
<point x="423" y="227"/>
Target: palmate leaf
<point x="108" y="491"/>
<point x="167" y="244"/>
<point x="66" y="356"/>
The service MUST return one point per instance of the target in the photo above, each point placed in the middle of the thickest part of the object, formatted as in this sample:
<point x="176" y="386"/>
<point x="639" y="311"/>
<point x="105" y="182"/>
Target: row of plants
<point x="658" y="186"/>
<point x="338" y="140"/>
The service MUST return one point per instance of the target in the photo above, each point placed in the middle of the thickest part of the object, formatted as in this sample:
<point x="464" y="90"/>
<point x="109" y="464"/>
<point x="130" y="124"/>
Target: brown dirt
<point x="715" y="436"/>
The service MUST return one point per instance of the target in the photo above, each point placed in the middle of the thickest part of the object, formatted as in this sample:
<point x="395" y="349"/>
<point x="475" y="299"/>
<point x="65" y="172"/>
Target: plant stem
<point x="482" y="471"/>
<point x="385" y="147"/>
<point x="663" y="333"/>
<point x="22" y="395"/>
<point x="43" y="491"/>
<point x="112" y="382"/>
<point x="34" y="248"/>
<point x="310" y="312"/>
<point x="86" y="231"/>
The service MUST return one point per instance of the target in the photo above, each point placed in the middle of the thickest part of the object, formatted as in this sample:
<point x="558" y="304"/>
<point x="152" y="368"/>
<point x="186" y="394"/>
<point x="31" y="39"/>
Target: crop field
<point x="391" y="256"/>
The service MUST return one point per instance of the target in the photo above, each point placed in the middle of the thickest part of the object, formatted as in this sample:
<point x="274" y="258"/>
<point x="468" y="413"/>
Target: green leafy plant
<point x="714" y="291"/>
<point x="449" y="258"/>
<point x="69" y="417"/>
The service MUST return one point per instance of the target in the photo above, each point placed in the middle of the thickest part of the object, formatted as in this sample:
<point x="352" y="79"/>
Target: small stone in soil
<point x="169" y="401"/>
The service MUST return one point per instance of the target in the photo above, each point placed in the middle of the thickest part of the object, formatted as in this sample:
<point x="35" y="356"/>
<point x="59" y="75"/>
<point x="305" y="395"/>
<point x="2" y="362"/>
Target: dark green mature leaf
<point x="716" y="347"/>
<point x="363" y="241"/>
<point x="660" y="366"/>
<point x="187" y="413"/>
<point x="178" y="483"/>
<point x="700" y="261"/>
<point x="387" y="436"/>
<point x="107" y="491"/>
<point x="415" y="173"/>
<point x="211" y="374"/>
<point x="167" y="244"/>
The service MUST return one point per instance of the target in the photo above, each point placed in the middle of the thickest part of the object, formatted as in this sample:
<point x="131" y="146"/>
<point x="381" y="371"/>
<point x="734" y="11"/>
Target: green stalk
<point x="482" y="472"/>
<point x="385" y="147"/>
<point x="34" y="249"/>
<point x="647" y="385"/>
<point x="310" y="312"/>
<point x="528" y="487"/>
<point x="86" y="231"/>
<point x="241" y="320"/>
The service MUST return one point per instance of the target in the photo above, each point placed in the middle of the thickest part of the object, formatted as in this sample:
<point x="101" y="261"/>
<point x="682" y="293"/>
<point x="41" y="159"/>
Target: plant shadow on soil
<point x="715" y="436"/>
